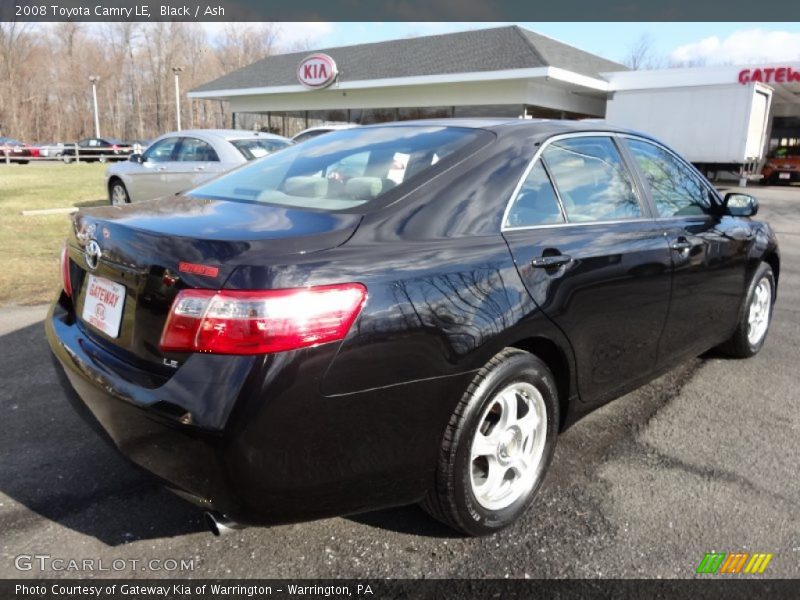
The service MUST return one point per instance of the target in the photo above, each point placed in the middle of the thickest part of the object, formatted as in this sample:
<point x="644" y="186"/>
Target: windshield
<point x="342" y="169"/>
<point x="252" y="148"/>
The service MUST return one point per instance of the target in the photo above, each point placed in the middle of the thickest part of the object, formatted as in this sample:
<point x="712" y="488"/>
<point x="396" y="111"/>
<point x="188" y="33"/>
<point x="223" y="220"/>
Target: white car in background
<point x="313" y="132"/>
<point x="182" y="160"/>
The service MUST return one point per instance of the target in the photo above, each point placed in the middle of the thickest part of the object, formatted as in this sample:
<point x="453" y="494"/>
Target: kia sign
<point x="769" y="75"/>
<point x="317" y="71"/>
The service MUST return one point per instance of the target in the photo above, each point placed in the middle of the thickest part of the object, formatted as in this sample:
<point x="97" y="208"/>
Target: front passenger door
<point x="709" y="253"/>
<point x="593" y="260"/>
<point x="149" y="179"/>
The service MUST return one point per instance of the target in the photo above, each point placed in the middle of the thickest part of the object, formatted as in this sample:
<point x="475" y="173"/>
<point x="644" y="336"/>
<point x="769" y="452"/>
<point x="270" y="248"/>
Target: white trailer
<point x="716" y="127"/>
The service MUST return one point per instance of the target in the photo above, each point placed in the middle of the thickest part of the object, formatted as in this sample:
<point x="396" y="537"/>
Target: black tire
<point x="103" y="158"/>
<point x="739" y="345"/>
<point x="119" y="187"/>
<point x="451" y="499"/>
<point x="67" y="158"/>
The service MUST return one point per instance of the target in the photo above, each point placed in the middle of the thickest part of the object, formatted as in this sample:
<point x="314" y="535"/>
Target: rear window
<point x="343" y="169"/>
<point x="252" y="148"/>
<point x="786" y="152"/>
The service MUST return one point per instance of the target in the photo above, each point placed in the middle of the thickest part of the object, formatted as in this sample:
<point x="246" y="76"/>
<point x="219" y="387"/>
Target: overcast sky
<point x="713" y="43"/>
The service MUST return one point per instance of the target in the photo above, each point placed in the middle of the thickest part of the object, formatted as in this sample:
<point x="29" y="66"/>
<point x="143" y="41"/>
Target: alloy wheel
<point x="508" y="446"/>
<point x="759" y="312"/>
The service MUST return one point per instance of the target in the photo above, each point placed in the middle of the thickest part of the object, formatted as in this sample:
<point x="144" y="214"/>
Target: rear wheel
<point x="753" y="326"/>
<point x="497" y="446"/>
<point x="118" y="193"/>
<point x="103" y="158"/>
<point x="67" y="159"/>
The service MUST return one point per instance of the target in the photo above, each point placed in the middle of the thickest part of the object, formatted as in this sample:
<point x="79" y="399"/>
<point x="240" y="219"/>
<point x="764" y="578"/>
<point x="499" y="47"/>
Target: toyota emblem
<point x="92" y="254"/>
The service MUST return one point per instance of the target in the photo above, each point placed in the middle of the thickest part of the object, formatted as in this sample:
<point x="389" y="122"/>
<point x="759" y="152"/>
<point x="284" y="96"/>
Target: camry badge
<point x="92" y="254"/>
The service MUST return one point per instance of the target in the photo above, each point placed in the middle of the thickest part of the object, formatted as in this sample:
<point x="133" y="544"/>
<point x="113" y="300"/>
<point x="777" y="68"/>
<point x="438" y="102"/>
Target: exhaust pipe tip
<point x="219" y="524"/>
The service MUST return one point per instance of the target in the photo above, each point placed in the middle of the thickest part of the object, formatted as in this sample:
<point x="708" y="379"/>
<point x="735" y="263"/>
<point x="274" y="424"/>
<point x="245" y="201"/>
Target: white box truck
<point x="716" y="127"/>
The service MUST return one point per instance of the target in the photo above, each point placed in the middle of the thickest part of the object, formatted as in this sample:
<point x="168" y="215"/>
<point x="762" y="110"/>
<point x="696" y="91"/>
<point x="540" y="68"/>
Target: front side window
<point x="536" y="203"/>
<point x="343" y="169"/>
<point x="162" y="150"/>
<point x="676" y="189"/>
<point x="195" y="150"/>
<point x="592" y="180"/>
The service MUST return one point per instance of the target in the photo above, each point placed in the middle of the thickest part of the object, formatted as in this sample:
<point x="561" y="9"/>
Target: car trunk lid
<point x="128" y="263"/>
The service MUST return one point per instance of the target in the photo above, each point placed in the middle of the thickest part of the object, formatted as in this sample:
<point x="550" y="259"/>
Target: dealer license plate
<point x="102" y="305"/>
<point x="784" y="175"/>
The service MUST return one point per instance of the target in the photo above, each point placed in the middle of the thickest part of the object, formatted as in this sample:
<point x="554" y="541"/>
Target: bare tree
<point x="16" y="46"/>
<point x="641" y="54"/>
<point x="45" y="69"/>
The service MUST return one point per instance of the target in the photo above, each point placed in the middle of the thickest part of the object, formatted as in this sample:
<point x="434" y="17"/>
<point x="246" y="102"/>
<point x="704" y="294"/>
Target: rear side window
<point x="343" y="169"/>
<point x="676" y="189"/>
<point x="592" y="180"/>
<point x="536" y="203"/>
<point x="253" y="148"/>
<point x="195" y="150"/>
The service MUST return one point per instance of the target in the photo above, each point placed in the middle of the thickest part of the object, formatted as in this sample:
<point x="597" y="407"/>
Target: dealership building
<point x="503" y="71"/>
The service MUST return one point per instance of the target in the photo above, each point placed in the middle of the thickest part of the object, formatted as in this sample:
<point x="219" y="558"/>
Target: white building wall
<point x="555" y="96"/>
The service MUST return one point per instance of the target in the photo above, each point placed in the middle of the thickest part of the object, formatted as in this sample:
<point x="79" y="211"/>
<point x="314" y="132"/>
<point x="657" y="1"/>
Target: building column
<point x="233" y="120"/>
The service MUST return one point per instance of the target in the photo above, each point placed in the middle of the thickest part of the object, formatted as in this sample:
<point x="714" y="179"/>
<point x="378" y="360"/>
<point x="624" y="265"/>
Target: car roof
<point x="227" y="134"/>
<point x="536" y="126"/>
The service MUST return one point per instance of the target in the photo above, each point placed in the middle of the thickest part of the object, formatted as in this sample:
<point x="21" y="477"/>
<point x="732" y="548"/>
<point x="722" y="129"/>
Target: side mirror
<point x="137" y="158"/>
<point x="740" y="205"/>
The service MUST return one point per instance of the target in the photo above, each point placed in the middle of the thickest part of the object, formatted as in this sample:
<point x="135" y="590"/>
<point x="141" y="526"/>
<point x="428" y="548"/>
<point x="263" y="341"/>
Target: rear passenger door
<point x="593" y="259"/>
<point x="195" y="162"/>
<point x="708" y="250"/>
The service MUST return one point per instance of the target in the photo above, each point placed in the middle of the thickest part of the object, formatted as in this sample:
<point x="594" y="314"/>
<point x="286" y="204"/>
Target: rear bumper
<point x="781" y="176"/>
<point x="275" y="450"/>
<point x="185" y="458"/>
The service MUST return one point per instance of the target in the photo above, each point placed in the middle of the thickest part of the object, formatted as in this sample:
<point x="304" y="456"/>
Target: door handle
<point x="199" y="168"/>
<point x="548" y="262"/>
<point x="161" y="169"/>
<point x="681" y="245"/>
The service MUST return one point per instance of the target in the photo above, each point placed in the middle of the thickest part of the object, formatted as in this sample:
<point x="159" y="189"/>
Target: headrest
<point x="310" y="187"/>
<point x="367" y="188"/>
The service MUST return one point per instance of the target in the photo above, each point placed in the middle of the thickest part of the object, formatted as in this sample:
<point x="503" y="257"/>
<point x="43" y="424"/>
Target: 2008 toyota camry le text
<point x="400" y="313"/>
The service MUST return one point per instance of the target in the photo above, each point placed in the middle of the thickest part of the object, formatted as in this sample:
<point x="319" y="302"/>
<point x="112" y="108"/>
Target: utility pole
<point x="176" y="71"/>
<point x="94" y="79"/>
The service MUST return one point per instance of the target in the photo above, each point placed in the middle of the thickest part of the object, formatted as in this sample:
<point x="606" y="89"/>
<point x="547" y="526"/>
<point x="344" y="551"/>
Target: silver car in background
<point x="181" y="160"/>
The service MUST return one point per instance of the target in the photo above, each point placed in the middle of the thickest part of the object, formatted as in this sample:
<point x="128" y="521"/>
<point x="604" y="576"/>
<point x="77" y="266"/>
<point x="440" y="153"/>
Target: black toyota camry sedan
<point x="400" y="313"/>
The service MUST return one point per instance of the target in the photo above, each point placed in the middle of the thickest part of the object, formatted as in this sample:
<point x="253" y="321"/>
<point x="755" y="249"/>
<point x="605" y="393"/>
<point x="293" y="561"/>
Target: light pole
<point x="94" y="79"/>
<point x="177" y="71"/>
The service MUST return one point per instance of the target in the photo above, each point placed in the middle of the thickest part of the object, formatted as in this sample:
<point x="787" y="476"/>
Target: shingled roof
<point x="495" y="49"/>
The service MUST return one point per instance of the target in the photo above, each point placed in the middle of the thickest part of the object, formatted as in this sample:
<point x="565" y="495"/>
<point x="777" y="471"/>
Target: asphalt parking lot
<point x="704" y="458"/>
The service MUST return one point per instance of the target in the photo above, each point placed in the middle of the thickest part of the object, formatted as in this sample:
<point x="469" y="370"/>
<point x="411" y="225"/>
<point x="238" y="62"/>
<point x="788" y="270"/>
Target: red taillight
<point x="260" y="322"/>
<point x="66" y="280"/>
